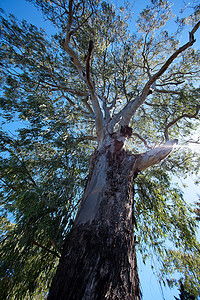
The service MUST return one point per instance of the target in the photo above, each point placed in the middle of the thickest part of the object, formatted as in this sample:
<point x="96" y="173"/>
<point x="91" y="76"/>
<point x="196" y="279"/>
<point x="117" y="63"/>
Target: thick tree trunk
<point x="98" y="259"/>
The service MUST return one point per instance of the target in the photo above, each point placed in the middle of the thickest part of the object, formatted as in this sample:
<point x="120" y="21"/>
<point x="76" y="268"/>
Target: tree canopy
<point x="104" y="65"/>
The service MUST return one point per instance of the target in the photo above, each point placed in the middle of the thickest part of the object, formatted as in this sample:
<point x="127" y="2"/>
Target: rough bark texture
<point x="98" y="259"/>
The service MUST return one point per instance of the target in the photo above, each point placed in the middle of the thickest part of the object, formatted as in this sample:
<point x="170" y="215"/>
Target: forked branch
<point x="166" y="134"/>
<point x="125" y="115"/>
<point x="84" y="73"/>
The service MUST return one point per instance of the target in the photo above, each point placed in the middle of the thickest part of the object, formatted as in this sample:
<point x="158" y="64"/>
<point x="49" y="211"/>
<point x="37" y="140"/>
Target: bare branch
<point x="113" y="103"/>
<point x="66" y="42"/>
<point x="105" y="108"/>
<point x="154" y="156"/>
<point x="193" y="141"/>
<point x="146" y="64"/>
<point x="125" y="115"/>
<point x="166" y="134"/>
<point x="88" y="106"/>
<point x="87" y="63"/>
<point x="94" y="97"/>
<point x="167" y="64"/>
<point x="191" y="34"/>
<point x="163" y="91"/>
<point x="171" y="83"/>
<point x="90" y="137"/>
<point x="84" y="74"/>
<point x="69" y="90"/>
<point x="142" y="139"/>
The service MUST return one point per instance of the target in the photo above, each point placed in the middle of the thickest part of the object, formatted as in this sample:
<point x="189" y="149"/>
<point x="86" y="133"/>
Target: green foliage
<point x="197" y="210"/>
<point x="162" y="213"/>
<point x="42" y="180"/>
<point x="184" y="295"/>
<point x="44" y="162"/>
<point x="166" y="226"/>
<point x="48" y="132"/>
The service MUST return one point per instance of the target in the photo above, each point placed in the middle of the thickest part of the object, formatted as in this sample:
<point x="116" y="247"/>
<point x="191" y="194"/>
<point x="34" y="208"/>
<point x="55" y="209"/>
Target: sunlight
<point x="195" y="147"/>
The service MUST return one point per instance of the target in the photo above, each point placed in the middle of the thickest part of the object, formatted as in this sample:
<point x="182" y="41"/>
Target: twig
<point x="8" y="185"/>
<point x="45" y="248"/>
<point x="142" y="139"/>
<point x="166" y="134"/>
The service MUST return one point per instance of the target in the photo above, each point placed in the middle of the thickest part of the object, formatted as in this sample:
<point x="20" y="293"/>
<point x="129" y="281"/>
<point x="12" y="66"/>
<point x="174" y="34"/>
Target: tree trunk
<point x="99" y="259"/>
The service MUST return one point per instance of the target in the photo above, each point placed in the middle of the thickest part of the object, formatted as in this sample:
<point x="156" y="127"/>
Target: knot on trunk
<point x="126" y="131"/>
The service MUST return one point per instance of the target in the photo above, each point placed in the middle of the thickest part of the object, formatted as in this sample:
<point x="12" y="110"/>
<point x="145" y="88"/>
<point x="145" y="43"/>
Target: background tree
<point x="90" y="83"/>
<point x="184" y="295"/>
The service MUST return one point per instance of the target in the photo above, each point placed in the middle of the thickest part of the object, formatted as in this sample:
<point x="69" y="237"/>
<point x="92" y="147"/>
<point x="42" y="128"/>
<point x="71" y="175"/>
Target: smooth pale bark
<point x="154" y="156"/>
<point x="99" y="256"/>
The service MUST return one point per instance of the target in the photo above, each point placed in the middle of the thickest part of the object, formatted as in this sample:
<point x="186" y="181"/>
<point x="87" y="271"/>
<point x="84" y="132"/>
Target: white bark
<point x="90" y="206"/>
<point x="154" y="156"/>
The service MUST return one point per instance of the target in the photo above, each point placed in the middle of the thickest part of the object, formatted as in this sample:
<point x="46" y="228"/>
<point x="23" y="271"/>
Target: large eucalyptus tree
<point x="122" y="91"/>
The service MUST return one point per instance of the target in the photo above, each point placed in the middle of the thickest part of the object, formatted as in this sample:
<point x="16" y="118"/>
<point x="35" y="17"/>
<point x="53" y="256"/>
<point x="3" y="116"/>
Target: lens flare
<point x="190" y="145"/>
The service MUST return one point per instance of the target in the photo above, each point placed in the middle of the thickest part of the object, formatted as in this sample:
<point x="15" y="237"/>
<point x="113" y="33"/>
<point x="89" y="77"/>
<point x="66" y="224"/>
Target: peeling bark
<point x="98" y="259"/>
<point x="99" y="256"/>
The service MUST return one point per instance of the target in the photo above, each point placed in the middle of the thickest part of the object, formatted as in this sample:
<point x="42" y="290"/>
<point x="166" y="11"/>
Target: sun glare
<point x="195" y="147"/>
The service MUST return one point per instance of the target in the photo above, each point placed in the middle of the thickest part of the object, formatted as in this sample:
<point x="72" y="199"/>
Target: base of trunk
<point x="97" y="264"/>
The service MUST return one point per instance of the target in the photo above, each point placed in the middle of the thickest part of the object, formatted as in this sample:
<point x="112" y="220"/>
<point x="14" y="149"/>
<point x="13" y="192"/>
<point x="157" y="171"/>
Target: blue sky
<point x="24" y="10"/>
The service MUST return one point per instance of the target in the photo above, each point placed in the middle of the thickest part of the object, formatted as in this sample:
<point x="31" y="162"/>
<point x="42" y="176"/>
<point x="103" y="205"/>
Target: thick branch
<point x="126" y="114"/>
<point x="94" y="97"/>
<point x="154" y="156"/>
<point x="177" y="119"/>
<point x="84" y="74"/>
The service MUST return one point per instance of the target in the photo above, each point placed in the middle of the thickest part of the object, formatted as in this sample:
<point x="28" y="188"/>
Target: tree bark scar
<point x="126" y="131"/>
<point x="118" y="145"/>
<point x="99" y="258"/>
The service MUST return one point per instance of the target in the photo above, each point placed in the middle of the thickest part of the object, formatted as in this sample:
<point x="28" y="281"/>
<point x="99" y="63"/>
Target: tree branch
<point x="84" y="74"/>
<point x="8" y="185"/>
<point x="163" y="91"/>
<point x="94" y="97"/>
<point x="125" y="115"/>
<point x="166" y="134"/>
<point x="142" y="139"/>
<point x="45" y="248"/>
<point x="154" y="156"/>
<point x="171" y="83"/>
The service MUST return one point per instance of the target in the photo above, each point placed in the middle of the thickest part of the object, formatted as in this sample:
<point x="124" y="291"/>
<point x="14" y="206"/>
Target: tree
<point x="95" y="84"/>
<point x="184" y="295"/>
